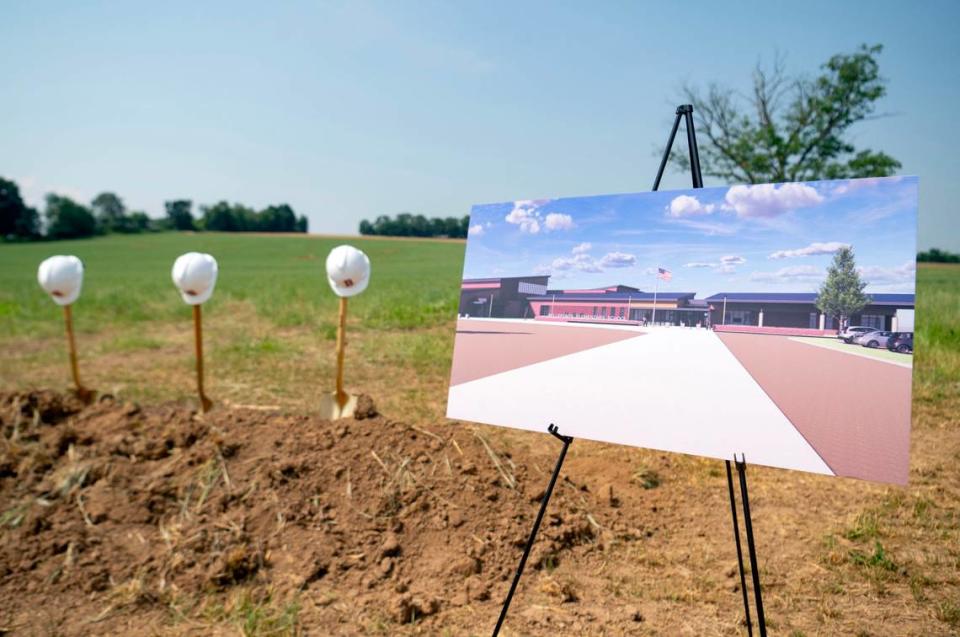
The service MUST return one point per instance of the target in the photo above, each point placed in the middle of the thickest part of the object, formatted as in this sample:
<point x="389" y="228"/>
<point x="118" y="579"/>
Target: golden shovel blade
<point x="332" y="409"/>
<point x="85" y="395"/>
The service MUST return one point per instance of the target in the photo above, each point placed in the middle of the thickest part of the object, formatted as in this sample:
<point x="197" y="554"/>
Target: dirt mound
<point x="115" y="511"/>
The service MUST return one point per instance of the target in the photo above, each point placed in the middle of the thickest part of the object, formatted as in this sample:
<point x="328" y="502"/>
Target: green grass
<point x="271" y="322"/>
<point x="937" y="340"/>
<point x="877" y="559"/>
<point x="854" y="349"/>
<point x="127" y="281"/>
<point x="269" y="328"/>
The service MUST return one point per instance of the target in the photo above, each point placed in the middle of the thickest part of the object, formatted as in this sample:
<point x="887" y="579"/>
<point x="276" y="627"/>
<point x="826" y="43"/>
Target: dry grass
<point x="838" y="556"/>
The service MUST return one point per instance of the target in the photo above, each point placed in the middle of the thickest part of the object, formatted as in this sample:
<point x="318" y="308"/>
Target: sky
<point x="348" y="110"/>
<point x="758" y="238"/>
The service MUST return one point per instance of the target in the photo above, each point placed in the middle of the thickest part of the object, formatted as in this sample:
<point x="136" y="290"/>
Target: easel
<point x="684" y="111"/>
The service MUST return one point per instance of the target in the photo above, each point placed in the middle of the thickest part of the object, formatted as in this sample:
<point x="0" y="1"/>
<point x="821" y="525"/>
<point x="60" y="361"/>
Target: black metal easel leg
<point x="684" y="111"/>
<point x="751" y="547"/>
<point x="736" y="537"/>
<point x="566" y="440"/>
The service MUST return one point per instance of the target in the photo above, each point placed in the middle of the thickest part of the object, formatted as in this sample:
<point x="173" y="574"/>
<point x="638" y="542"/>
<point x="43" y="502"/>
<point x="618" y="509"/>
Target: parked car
<point x="901" y="342"/>
<point x="853" y="332"/>
<point x="875" y="339"/>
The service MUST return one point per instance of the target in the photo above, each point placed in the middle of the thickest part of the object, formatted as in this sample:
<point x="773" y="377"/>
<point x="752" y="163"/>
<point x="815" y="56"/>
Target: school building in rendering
<point x="505" y="297"/>
<point x="530" y="297"/>
<point x="798" y="309"/>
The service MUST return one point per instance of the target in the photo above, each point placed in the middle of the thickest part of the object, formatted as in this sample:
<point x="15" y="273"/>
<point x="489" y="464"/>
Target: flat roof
<point x="505" y="278"/>
<point x="802" y="297"/>
<point x="614" y="296"/>
<point x="603" y="289"/>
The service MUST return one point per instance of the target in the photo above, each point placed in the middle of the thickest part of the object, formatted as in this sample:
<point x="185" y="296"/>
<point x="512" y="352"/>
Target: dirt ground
<point x="122" y="519"/>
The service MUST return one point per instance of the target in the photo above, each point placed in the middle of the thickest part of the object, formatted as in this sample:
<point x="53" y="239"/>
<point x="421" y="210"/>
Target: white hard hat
<point x="348" y="270"/>
<point x="61" y="277"/>
<point x="195" y="275"/>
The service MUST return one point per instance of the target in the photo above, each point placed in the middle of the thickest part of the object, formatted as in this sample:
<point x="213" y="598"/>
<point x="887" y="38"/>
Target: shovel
<point x="84" y="394"/>
<point x="339" y="404"/>
<point x="205" y="403"/>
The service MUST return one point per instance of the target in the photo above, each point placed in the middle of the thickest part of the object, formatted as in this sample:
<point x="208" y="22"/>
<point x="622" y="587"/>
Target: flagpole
<point x="656" y="287"/>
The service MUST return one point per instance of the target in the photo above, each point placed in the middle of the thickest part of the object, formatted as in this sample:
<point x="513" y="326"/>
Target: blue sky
<point x="348" y="110"/>
<point x="727" y="239"/>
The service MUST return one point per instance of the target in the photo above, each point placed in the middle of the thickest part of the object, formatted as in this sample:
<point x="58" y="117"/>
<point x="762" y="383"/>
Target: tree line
<point x="936" y="255"/>
<point x="410" y="225"/>
<point x="64" y="218"/>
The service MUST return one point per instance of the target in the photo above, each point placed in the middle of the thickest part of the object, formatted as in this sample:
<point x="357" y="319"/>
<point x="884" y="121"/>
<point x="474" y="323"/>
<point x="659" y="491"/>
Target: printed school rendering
<point x="530" y="297"/>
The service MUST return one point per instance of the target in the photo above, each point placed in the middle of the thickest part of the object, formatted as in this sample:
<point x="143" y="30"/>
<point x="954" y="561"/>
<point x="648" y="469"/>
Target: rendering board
<point x="708" y="321"/>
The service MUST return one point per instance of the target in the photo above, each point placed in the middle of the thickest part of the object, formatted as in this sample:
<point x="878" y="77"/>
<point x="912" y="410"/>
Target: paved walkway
<point x="675" y="389"/>
<point x="854" y="410"/>
<point x="485" y="347"/>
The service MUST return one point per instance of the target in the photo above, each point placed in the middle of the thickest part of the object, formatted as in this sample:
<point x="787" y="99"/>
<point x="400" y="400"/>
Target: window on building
<point x="872" y="320"/>
<point x="544" y="310"/>
<point x="738" y="317"/>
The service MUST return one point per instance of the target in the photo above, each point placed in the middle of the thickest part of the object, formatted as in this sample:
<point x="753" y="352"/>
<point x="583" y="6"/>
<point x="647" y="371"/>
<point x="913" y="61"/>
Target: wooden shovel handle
<point x="205" y="402"/>
<point x="341" y="346"/>
<point x="72" y="347"/>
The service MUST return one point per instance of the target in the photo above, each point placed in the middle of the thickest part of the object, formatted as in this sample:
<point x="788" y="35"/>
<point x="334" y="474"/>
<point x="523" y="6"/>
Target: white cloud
<point x="526" y="214"/>
<point x="874" y="274"/>
<point x="580" y="260"/>
<point x="813" y="249"/>
<point x="726" y="265"/>
<point x="792" y="274"/>
<point x="558" y="221"/>
<point x="618" y="260"/>
<point x="476" y="230"/>
<point x="767" y="200"/>
<point x="687" y="206"/>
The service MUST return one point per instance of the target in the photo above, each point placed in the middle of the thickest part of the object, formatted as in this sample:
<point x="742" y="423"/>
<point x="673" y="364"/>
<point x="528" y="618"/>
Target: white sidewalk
<point x="670" y="389"/>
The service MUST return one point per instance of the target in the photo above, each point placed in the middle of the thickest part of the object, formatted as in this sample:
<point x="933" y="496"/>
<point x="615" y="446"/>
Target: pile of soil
<point x="112" y="514"/>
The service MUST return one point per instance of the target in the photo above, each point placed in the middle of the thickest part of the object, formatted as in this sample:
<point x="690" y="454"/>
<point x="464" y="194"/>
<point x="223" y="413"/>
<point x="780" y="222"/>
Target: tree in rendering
<point x="791" y="128"/>
<point x="841" y="294"/>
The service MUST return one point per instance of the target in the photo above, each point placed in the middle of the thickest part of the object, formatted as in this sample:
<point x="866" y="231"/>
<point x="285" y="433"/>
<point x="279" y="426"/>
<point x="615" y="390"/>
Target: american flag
<point x="664" y="274"/>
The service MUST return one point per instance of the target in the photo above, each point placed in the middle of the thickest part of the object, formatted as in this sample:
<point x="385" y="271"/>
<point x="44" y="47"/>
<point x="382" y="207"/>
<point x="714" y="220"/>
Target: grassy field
<point x="855" y="558"/>
<point x="270" y="326"/>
